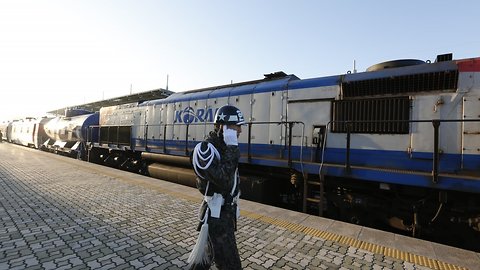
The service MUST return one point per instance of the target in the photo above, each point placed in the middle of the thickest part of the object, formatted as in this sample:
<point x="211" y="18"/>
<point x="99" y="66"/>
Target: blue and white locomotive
<point x="399" y="143"/>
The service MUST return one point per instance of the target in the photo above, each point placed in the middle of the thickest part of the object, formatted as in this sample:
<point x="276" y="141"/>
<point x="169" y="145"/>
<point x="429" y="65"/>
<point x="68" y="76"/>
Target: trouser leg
<point x="222" y="236"/>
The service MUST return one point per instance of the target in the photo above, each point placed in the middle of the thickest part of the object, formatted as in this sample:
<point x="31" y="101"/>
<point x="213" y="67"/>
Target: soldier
<point x="215" y="161"/>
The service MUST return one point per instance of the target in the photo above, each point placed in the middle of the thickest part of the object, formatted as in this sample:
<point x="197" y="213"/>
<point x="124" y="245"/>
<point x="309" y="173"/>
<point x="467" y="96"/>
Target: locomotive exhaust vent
<point x="444" y="57"/>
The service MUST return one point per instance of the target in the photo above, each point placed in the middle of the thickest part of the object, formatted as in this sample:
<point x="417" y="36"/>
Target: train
<point x="397" y="145"/>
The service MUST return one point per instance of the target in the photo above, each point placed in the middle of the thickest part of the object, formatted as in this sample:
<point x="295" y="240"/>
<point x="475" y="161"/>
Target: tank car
<point x="67" y="134"/>
<point x="397" y="144"/>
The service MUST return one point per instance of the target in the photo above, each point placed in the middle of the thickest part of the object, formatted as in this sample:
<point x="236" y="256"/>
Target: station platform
<point x="61" y="213"/>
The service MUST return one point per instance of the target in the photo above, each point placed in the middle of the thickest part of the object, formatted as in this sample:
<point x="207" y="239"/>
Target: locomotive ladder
<point x="313" y="194"/>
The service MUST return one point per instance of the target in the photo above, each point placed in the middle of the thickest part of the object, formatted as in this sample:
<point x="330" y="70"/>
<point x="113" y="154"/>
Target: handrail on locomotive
<point x="288" y="143"/>
<point x="117" y="142"/>
<point x="436" y="131"/>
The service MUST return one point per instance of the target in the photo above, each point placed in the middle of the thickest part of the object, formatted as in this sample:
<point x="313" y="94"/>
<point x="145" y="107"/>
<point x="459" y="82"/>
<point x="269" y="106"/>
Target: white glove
<point x="230" y="136"/>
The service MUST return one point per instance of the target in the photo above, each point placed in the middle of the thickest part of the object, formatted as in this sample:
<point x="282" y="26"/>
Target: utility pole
<point x="167" y="82"/>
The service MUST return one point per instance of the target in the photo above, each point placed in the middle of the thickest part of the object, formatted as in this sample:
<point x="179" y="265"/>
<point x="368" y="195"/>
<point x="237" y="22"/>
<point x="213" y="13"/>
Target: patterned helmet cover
<point x="229" y="115"/>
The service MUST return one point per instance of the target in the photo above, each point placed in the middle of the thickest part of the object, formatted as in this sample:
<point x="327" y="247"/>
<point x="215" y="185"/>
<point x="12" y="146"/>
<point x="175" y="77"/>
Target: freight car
<point x="64" y="135"/>
<point x="27" y="131"/>
<point x="67" y="134"/>
<point x="397" y="144"/>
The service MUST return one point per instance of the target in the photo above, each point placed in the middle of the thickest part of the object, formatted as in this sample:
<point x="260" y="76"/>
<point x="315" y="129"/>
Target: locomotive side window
<point x="374" y="115"/>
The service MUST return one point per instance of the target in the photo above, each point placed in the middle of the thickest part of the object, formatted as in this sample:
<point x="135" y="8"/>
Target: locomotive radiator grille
<point x="377" y="115"/>
<point x="401" y="85"/>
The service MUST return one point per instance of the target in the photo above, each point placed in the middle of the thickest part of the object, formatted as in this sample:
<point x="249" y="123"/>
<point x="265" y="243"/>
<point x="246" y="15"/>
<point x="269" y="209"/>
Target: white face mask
<point x="230" y="136"/>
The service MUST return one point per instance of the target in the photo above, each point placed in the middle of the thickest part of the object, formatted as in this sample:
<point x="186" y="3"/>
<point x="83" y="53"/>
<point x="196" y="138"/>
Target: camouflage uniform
<point x="221" y="175"/>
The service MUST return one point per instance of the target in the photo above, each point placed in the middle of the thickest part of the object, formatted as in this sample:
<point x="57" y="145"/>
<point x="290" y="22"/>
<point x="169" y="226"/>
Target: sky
<point x="58" y="53"/>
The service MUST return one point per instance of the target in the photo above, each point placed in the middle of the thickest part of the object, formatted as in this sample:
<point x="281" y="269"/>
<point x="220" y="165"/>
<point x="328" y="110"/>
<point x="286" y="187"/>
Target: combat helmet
<point x="229" y="115"/>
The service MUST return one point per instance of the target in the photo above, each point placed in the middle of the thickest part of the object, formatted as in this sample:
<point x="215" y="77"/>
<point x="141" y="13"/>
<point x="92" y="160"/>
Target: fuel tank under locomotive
<point x="269" y="186"/>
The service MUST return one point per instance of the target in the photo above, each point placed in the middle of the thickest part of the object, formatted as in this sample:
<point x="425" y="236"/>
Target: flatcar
<point x="397" y="144"/>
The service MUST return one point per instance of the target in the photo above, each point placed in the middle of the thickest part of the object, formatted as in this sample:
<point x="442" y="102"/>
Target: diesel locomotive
<point x="398" y="144"/>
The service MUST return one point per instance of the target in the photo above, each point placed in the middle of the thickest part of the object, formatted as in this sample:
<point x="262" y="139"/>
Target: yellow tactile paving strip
<point x="374" y="248"/>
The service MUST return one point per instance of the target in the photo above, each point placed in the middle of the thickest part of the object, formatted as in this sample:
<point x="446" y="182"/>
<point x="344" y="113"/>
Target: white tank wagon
<point x="68" y="134"/>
